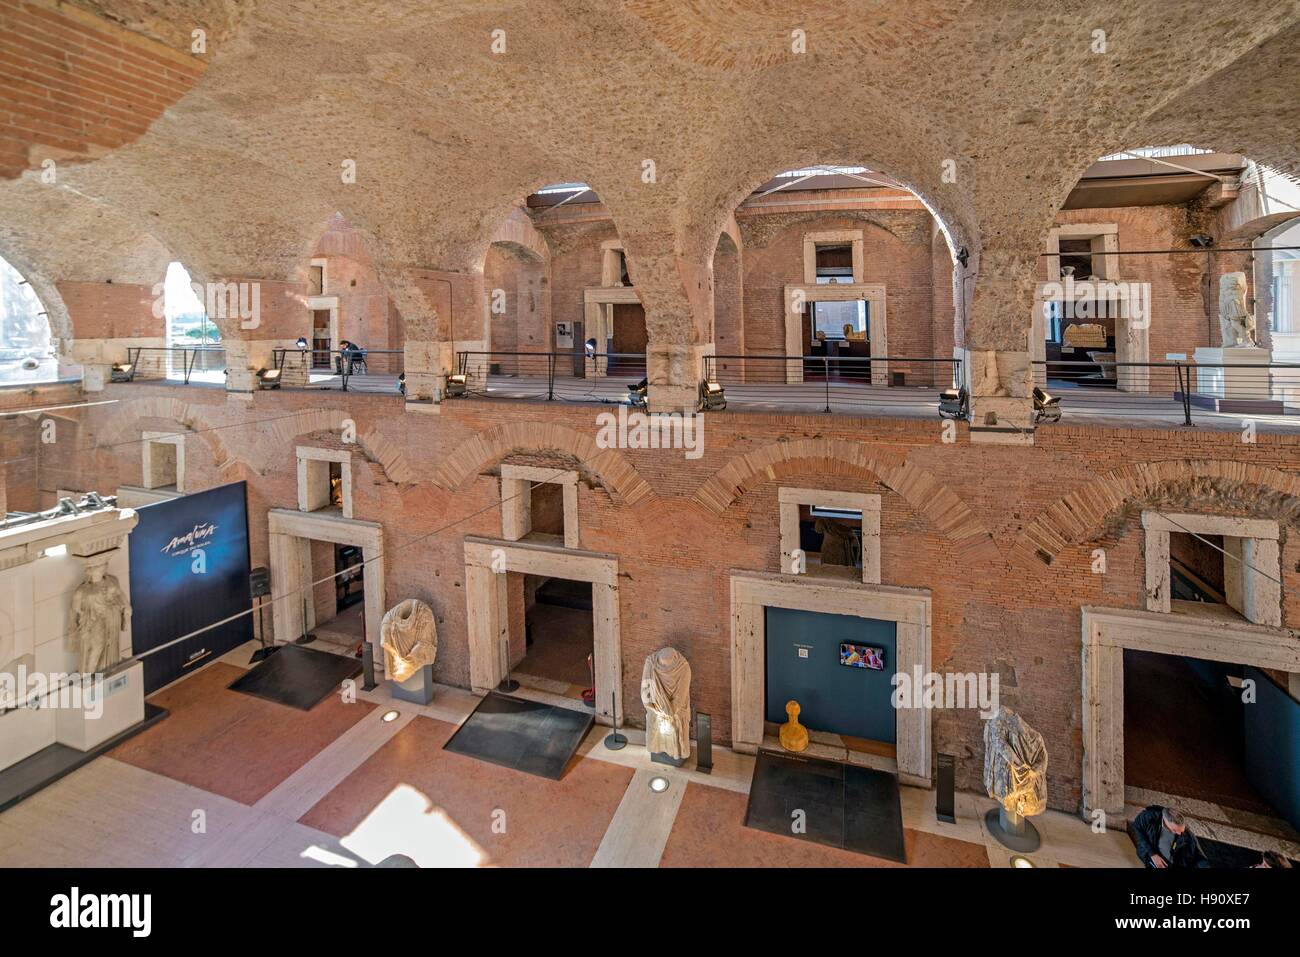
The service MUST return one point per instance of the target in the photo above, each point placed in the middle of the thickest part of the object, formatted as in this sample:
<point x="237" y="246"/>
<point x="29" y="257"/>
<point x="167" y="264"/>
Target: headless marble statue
<point x="666" y="694"/>
<point x="100" y="614"/>
<point x="1236" y="324"/>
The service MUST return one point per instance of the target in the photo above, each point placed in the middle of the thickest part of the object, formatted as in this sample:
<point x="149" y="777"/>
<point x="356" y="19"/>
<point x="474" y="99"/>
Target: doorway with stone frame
<point x="494" y="568"/>
<point x="908" y="609"/>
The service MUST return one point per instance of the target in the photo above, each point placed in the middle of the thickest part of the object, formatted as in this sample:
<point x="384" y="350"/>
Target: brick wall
<point x="73" y="86"/>
<point x="993" y="608"/>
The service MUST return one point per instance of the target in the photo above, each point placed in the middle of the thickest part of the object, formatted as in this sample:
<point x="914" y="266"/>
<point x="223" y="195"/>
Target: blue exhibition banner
<point x="189" y="570"/>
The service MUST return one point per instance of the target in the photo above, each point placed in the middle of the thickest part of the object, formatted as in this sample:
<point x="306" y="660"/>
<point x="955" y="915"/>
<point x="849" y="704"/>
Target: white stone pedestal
<point x="1234" y="379"/>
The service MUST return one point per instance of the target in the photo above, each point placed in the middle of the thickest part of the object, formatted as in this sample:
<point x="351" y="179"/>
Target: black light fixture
<point x="122" y="372"/>
<point x="713" y="398"/>
<point x="401" y="384"/>
<point x="1047" y="407"/>
<point x="614" y="741"/>
<point x="1201" y="240"/>
<point x="457" y="385"/>
<point x="637" y="393"/>
<point x="302" y="343"/>
<point x="590" y="347"/>
<point x="268" y="378"/>
<point x="953" y="404"/>
<point x="963" y="256"/>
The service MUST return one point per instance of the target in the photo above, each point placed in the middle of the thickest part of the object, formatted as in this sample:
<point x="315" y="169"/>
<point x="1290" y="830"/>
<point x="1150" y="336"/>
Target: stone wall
<point x="1008" y="558"/>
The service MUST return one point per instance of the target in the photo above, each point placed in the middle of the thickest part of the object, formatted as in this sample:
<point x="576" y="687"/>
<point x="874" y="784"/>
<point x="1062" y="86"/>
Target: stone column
<point x="110" y="319"/>
<point x="997" y="368"/>
<point x="445" y="313"/>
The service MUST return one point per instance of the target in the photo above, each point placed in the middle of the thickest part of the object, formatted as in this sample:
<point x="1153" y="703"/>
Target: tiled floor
<point x="230" y="743"/>
<point x="710" y="832"/>
<point x="230" y="780"/>
<point x="467" y="807"/>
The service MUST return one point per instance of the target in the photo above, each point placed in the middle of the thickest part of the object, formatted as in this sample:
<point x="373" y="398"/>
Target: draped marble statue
<point x="100" y="613"/>
<point x="666" y="694"/>
<point x="409" y="637"/>
<point x="1236" y="324"/>
<point x="1015" y="764"/>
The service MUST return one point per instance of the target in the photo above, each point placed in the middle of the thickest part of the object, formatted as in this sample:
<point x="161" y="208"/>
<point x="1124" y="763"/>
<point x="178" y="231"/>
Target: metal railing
<point x="881" y="384"/>
<point x="356" y="370"/>
<point x="1181" y="392"/>
<point x="208" y="363"/>
<point x="565" y="376"/>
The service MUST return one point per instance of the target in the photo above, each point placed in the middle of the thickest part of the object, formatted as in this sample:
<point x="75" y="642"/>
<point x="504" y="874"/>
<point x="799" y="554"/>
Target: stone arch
<point x="917" y="486"/>
<point x="610" y="466"/>
<point x="1099" y="505"/>
<point x="47" y="295"/>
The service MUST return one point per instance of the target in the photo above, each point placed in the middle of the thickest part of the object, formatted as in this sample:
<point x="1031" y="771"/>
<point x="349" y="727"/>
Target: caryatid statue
<point x="100" y="613"/>
<point x="666" y="694"/>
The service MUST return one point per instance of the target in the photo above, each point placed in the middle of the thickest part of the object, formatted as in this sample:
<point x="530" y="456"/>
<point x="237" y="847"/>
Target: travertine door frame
<point x="1107" y="632"/>
<point x="908" y="608"/>
<point x="789" y="500"/>
<point x="487" y="563"/>
<point x="798" y="295"/>
<point x="598" y="317"/>
<point x="291" y="535"/>
<point x="1252" y="572"/>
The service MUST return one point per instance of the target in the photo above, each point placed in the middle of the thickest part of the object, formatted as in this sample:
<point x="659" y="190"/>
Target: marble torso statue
<point x="1015" y="764"/>
<point x="100" y="614"/>
<point x="409" y="637"/>
<point x="666" y="694"/>
<point x="1236" y="324"/>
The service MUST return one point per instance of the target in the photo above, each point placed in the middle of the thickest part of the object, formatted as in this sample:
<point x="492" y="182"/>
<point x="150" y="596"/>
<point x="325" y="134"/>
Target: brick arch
<point x="280" y="433"/>
<point x="919" y="487"/>
<point x="1085" y="512"/>
<point x="610" y="466"/>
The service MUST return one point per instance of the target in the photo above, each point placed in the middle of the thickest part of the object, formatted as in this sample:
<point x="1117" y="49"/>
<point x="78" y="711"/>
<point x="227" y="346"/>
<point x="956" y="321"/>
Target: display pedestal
<point x="659" y="757"/>
<point x="1235" y="379"/>
<point x="417" y="689"/>
<point x="1013" y="831"/>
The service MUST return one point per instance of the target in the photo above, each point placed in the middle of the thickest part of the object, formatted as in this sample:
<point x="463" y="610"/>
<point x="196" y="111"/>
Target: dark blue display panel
<point x="803" y="663"/>
<point x="189" y="569"/>
<point x="1273" y="746"/>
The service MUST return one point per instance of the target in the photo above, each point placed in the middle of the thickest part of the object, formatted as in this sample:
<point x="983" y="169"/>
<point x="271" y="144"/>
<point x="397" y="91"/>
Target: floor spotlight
<point x="1021" y="861"/>
<point x="953" y="403"/>
<point x="659" y="784"/>
<point x="457" y="385"/>
<point x="122" y="372"/>
<point x="268" y="378"/>
<point x="712" y="396"/>
<point x="391" y="715"/>
<point x="1047" y="407"/>
<point x="637" y="392"/>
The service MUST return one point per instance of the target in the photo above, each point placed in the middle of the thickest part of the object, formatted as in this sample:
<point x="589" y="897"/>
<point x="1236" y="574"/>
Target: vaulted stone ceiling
<point x="240" y="176"/>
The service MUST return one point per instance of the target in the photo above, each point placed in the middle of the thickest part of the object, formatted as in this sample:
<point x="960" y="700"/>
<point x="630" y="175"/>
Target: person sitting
<point x="354" y="357"/>
<point x="1163" y="840"/>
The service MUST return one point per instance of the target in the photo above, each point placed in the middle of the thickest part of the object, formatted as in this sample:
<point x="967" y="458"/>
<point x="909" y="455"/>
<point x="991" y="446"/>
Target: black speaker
<point x="944" y="808"/>
<point x="259" y="581"/>
<point x="703" y="743"/>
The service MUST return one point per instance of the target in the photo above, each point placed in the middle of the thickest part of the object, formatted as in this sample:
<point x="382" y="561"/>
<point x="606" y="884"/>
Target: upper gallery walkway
<point x="1169" y="393"/>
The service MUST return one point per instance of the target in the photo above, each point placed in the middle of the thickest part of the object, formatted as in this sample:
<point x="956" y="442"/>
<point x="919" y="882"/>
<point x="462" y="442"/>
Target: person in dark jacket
<point x="1164" y="840"/>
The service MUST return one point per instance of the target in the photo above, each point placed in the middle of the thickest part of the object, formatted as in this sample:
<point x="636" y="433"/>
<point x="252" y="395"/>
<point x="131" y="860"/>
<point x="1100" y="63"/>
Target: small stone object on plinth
<point x="1015" y="774"/>
<point x="793" y="735"/>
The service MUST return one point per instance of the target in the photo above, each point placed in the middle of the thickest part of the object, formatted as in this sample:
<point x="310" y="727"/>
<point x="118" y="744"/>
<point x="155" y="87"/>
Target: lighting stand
<point x="305" y="636"/>
<point x="266" y="651"/>
<point x="615" y="741"/>
<point x="508" y="684"/>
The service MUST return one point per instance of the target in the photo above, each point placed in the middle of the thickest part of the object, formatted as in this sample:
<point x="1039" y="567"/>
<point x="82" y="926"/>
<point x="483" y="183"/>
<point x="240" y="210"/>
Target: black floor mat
<point x="843" y="805"/>
<point x="528" y="736"/>
<point x="296" y="676"/>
